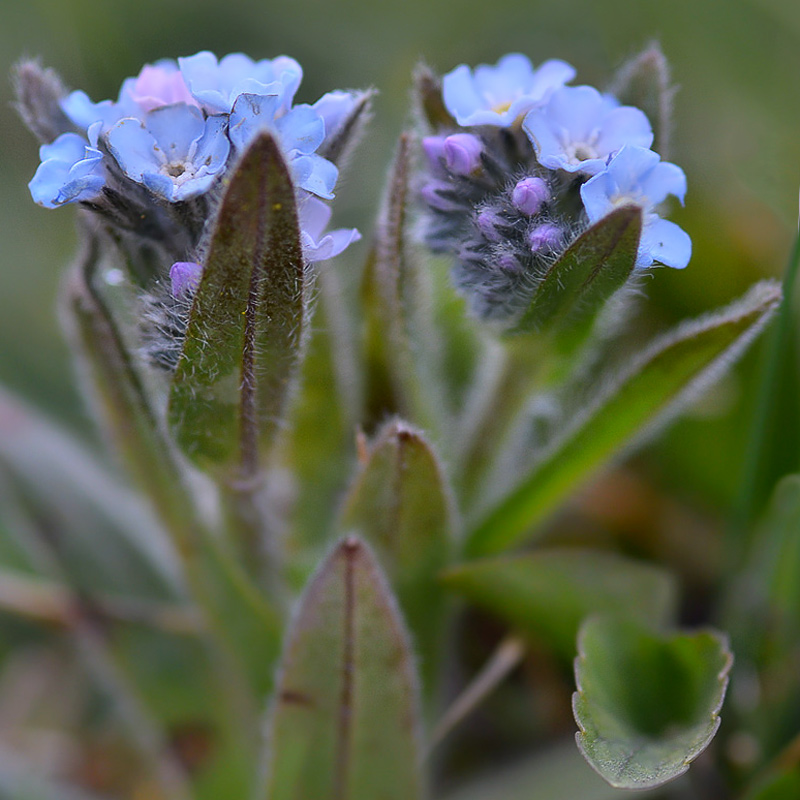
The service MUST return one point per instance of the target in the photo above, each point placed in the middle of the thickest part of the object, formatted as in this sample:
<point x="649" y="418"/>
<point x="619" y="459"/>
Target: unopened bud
<point x="491" y="225"/>
<point x="439" y="195"/>
<point x="509" y="263"/>
<point x="462" y="153"/>
<point x="544" y="237"/>
<point x="185" y="277"/>
<point x="529" y="195"/>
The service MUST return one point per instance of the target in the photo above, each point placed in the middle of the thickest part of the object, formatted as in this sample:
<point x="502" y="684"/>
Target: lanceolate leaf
<point x="247" y="322"/>
<point x="345" y="716"/>
<point x="401" y="505"/>
<point x="647" y="705"/>
<point x="391" y="305"/>
<point x="592" y="269"/>
<point x="651" y="386"/>
<point x="547" y="594"/>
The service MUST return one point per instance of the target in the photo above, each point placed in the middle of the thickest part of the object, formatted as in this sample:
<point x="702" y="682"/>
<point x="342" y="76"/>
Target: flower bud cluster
<point x="151" y="161"/>
<point x="525" y="164"/>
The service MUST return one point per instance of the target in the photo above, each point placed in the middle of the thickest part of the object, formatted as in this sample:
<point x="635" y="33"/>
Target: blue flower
<point x="314" y="216"/>
<point x="174" y="152"/>
<point x="499" y="95"/>
<point x="217" y="84"/>
<point x="637" y="176"/>
<point x="579" y="129"/>
<point x="300" y="132"/>
<point x="71" y="170"/>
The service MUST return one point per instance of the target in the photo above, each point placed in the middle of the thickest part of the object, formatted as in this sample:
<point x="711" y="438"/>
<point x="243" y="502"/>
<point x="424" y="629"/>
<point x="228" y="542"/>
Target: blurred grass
<point x="736" y="135"/>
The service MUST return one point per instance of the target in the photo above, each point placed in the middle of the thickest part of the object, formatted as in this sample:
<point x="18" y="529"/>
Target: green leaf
<point x="591" y="270"/>
<point x="401" y="504"/>
<point x="548" y="593"/>
<point x="344" y="722"/>
<point x="652" y="386"/>
<point x="647" y="704"/>
<point x="644" y="82"/>
<point x="247" y="322"/>
<point x="394" y="327"/>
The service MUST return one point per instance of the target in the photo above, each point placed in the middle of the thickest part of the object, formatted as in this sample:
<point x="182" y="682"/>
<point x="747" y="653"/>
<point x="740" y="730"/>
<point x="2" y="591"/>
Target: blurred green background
<point x="736" y="134"/>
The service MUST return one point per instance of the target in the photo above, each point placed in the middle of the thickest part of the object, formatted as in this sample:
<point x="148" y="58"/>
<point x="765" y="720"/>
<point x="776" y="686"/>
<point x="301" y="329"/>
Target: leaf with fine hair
<point x="401" y="504"/>
<point x="394" y="327"/>
<point x="592" y="269"/>
<point x="548" y="593"/>
<point x="647" y="704"/>
<point x="653" y="386"/>
<point x="247" y="323"/>
<point x="344" y="723"/>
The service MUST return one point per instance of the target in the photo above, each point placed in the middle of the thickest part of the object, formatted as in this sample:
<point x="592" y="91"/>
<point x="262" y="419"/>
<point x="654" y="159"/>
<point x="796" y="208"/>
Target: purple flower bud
<point x="546" y="236"/>
<point x="509" y="263"/>
<point x="435" y="194"/>
<point x="490" y="224"/>
<point x="185" y="277"/>
<point x="529" y="195"/>
<point x="433" y="146"/>
<point x="462" y="153"/>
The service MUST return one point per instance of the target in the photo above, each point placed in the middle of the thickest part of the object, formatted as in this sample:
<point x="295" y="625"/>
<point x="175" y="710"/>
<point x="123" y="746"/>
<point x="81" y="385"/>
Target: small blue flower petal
<point x="666" y="243"/>
<point x="314" y="216"/>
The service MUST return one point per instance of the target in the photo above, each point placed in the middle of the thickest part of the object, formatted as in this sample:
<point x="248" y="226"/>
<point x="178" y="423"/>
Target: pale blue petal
<point x="302" y="129"/>
<point x="665" y="243"/>
<point x="315" y="174"/>
<point x="624" y="125"/>
<point x="252" y="113"/>
<point x="665" y="179"/>
<point x="134" y="148"/>
<point x="175" y="128"/>
<point x="460" y="96"/>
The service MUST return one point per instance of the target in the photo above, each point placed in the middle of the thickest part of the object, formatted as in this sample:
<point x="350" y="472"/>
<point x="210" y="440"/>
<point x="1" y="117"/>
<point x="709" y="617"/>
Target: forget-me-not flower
<point x="637" y="176"/>
<point x="500" y="94"/>
<point x="300" y="132"/>
<point x="71" y="170"/>
<point x="217" y="84"/>
<point x="174" y="152"/>
<point x="580" y="128"/>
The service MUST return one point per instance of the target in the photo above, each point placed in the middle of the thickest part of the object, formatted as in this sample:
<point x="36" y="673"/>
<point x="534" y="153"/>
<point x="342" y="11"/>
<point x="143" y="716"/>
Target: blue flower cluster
<point x="178" y="126"/>
<point x="525" y="164"/>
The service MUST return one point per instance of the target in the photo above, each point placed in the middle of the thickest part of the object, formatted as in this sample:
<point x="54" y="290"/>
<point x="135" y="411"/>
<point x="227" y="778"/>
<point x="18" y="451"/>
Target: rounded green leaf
<point x="647" y="704"/>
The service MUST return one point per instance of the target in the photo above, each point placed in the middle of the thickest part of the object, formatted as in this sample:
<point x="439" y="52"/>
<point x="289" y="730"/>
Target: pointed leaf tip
<point x="345" y="719"/>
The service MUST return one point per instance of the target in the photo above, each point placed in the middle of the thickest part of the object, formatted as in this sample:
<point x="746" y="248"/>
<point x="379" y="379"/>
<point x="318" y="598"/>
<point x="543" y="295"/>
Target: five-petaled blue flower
<point x="174" y="152"/>
<point x="500" y="94"/>
<point x="637" y="176"/>
<point x="579" y="129"/>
